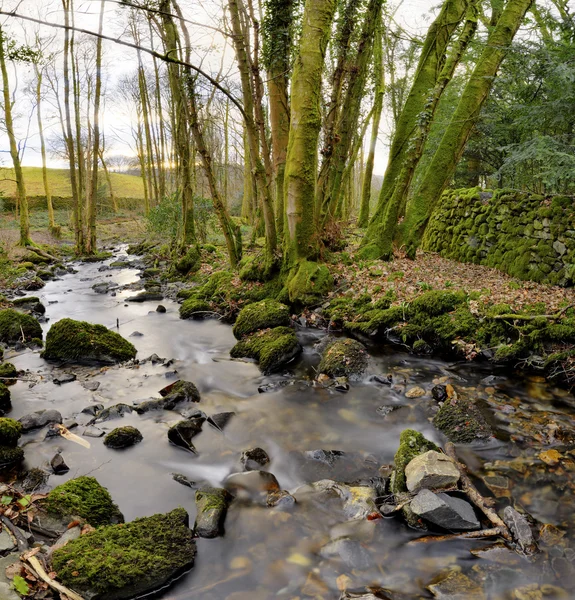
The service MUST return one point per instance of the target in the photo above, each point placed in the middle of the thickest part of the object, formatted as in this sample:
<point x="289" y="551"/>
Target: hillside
<point x="125" y="186"/>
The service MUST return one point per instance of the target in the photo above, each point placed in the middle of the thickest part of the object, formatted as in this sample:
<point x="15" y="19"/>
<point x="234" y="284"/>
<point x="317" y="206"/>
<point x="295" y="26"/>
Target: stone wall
<point x="526" y="235"/>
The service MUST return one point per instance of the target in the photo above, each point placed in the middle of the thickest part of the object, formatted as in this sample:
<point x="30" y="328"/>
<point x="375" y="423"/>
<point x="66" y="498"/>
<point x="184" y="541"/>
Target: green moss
<point x="14" y="325"/>
<point x="436" y="302"/>
<point x="190" y="262"/>
<point x="8" y="373"/>
<point x="82" y="342"/>
<point x="122" y="437"/>
<point x="421" y="347"/>
<point x="310" y="283"/>
<point x="271" y="348"/>
<point x="376" y="321"/>
<point x="5" y="403"/>
<point x="257" y="268"/>
<point x="344" y="358"/>
<point x="10" y="457"/>
<point x="261" y="315"/>
<point x="462" y="422"/>
<point x="10" y="432"/>
<point x="121" y="560"/>
<point x="411" y="444"/>
<point x="83" y="497"/>
<point x="193" y="308"/>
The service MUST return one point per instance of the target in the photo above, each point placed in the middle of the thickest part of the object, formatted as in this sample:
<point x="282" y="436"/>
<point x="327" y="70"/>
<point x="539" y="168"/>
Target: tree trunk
<point x="452" y="144"/>
<point x="108" y="179"/>
<point x="92" y="240"/>
<point x="379" y="76"/>
<point x="305" y="123"/>
<point x="428" y="69"/>
<point x="20" y="185"/>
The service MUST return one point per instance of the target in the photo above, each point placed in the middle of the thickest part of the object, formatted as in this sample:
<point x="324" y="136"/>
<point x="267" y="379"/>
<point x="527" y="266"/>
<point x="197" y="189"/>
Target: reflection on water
<point x="268" y="553"/>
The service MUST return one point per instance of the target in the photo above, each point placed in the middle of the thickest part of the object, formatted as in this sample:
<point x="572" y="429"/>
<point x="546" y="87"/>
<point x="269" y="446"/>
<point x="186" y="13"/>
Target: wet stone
<point x="252" y="485"/>
<point x="387" y="409"/>
<point x="39" y="419"/>
<point x="280" y="499"/>
<point x="183" y="480"/>
<point x="93" y="432"/>
<point x="65" y="378"/>
<point x="519" y="527"/>
<point x="254" y="458"/>
<point x="180" y="391"/>
<point x="439" y="393"/>
<point x="212" y="505"/>
<point x="182" y="433"/>
<point x="431" y="470"/>
<point x="444" y="511"/>
<point x="350" y="552"/>
<point x="456" y="586"/>
<point x="93" y="409"/>
<point x="160" y="308"/>
<point x="220" y="420"/>
<point x="6" y="542"/>
<point x="91" y="386"/>
<point x="123" y="437"/>
<point x="113" y="412"/>
<point x="58" y="465"/>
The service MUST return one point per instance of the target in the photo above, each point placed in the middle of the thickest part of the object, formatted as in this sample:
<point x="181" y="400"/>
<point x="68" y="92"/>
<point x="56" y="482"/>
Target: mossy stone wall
<point x="528" y="236"/>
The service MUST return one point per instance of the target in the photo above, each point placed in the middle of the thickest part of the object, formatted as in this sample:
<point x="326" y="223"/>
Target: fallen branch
<point x="37" y="566"/>
<point x="21" y="541"/>
<point x="466" y="535"/>
<point x="514" y="317"/>
<point x="475" y="496"/>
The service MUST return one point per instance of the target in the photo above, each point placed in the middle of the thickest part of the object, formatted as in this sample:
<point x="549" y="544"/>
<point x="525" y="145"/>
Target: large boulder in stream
<point x="126" y="561"/>
<point x="272" y="348"/>
<point x="85" y="343"/>
<point x="17" y="326"/>
<point x="344" y="358"/>
<point x="123" y="437"/>
<point x="462" y="421"/>
<point x="212" y="505"/>
<point x="266" y="314"/>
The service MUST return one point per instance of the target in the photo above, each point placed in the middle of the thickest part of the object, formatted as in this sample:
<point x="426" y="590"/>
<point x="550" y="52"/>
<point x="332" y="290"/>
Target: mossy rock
<point x="190" y="262"/>
<point x="462" y="422"/>
<point x="123" y="437"/>
<point x="14" y="325"/>
<point x="272" y="348"/>
<point x="344" y="358"/>
<point x="436" y="302"/>
<point x="10" y="432"/>
<point x="194" y="308"/>
<point x="8" y="373"/>
<point x="10" y="458"/>
<point x="85" y="343"/>
<point x="261" y="315"/>
<point x="212" y="505"/>
<point x="83" y="497"/>
<point x="310" y="284"/>
<point x="5" y="403"/>
<point x="126" y="561"/>
<point x="411" y="444"/>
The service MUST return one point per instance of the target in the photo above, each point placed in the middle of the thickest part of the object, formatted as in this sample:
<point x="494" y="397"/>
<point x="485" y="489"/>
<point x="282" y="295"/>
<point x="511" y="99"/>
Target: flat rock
<point x="431" y="470"/>
<point x="519" y="527"/>
<point x="91" y="386"/>
<point x="6" y="542"/>
<point x="65" y="378"/>
<point x="212" y="505"/>
<point x="40" y="418"/>
<point x="350" y="552"/>
<point x="445" y="511"/>
<point x="456" y="586"/>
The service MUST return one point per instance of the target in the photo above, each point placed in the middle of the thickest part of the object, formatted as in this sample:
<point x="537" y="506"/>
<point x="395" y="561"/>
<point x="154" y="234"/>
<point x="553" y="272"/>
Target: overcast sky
<point x="413" y="15"/>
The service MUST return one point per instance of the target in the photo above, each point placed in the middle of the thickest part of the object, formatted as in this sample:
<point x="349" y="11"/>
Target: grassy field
<point x="125" y="186"/>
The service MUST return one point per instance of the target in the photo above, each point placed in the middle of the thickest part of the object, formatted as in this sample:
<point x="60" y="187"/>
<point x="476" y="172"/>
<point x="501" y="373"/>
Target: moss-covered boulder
<point x="8" y="373"/>
<point x="83" y="497"/>
<point x="212" y="505"/>
<point x="5" y="402"/>
<point x="179" y="391"/>
<point x="86" y="343"/>
<point x="257" y="267"/>
<point x="194" y="308"/>
<point x="272" y="348"/>
<point x="10" y="432"/>
<point x="309" y="284"/>
<point x="190" y="262"/>
<point x="344" y="358"/>
<point x="123" y="437"/>
<point x="462" y="421"/>
<point x="15" y="325"/>
<point x="261" y="315"/>
<point x="411" y="444"/>
<point x="127" y="561"/>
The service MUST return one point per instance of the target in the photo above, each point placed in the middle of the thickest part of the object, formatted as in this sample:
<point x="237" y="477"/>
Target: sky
<point x="413" y="15"/>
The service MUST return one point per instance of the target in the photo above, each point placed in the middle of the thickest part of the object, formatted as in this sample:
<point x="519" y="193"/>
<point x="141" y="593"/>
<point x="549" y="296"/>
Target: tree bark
<point x="20" y="184"/>
<point x="450" y="149"/>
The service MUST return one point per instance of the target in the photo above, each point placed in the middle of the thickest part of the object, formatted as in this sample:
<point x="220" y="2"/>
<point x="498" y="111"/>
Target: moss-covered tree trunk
<point x="428" y="69"/>
<point x="250" y="97"/>
<point x="14" y="154"/>
<point x="417" y="142"/>
<point x="348" y="122"/>
<point x="379" y="77"/>
<point x="301" y="164"/>
<point x="450" y="149"/>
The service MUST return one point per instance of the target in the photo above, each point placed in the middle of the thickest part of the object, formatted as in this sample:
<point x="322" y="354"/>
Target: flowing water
<point x="270" y="553"/>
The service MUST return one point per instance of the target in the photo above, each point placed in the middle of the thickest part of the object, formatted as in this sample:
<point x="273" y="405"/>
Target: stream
<point x="270" y="553"/>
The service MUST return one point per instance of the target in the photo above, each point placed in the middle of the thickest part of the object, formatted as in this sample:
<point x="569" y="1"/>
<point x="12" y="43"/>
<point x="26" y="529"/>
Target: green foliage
<point x="112" y="558"/>
<point x="19" y="584"/>
<point x="15" y="326"/>
<point x="83" y="497"/>
<point x="165" y="218"/>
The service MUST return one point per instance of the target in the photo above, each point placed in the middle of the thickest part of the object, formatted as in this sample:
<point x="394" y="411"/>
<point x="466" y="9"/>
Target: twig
<point x="475" y="496"/>
<point x="46" y="578"/>
<point x="483" y="533"/>
<point x="21" y="541"/>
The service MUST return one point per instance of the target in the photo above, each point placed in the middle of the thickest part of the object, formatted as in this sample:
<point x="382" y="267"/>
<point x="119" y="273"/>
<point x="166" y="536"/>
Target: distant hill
<point x="125" y="186"/>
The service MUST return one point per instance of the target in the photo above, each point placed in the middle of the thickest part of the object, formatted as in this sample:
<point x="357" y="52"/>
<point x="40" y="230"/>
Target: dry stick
<point x="35" y="563"/>
<point x="483" y="533"/>
<point x="21" y="541"/>
<point x="475" y="496"/>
